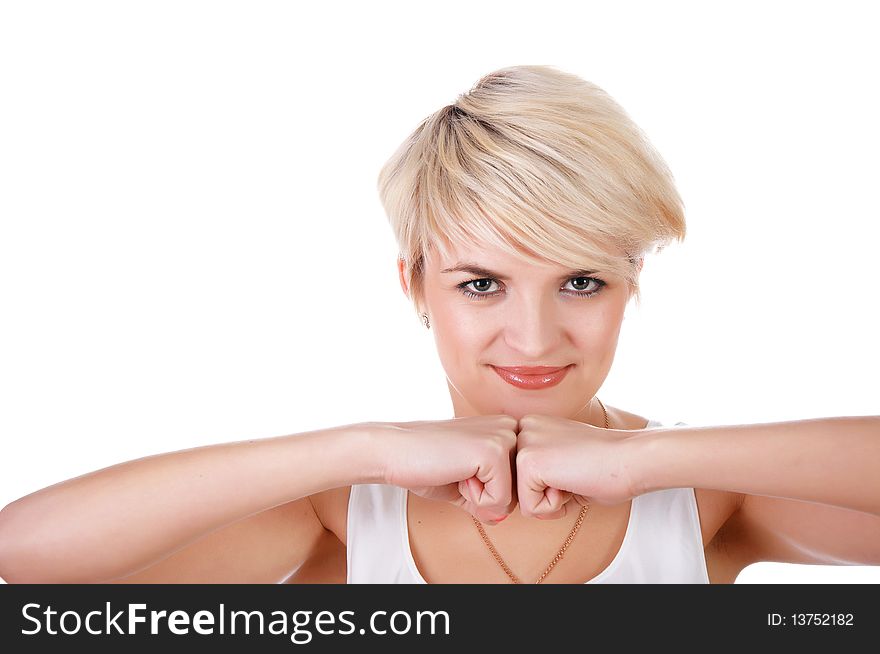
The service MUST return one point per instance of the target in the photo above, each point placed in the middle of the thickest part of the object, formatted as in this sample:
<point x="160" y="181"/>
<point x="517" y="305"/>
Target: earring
<point x="425" y="320"/>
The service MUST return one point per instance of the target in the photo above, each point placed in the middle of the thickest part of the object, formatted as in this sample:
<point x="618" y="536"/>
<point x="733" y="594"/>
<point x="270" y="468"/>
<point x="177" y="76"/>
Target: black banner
<point x="270" y="618"/>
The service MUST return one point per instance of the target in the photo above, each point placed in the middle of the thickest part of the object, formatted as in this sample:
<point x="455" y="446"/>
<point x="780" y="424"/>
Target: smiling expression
<point x="489" y="309"/>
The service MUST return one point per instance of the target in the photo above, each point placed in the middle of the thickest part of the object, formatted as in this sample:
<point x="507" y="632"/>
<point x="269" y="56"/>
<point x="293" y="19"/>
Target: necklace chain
<point x="565" y="545"/>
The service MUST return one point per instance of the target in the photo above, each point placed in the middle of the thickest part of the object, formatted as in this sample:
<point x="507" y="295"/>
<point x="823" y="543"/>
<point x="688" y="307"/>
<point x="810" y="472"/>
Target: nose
<point x="533" y="327"/>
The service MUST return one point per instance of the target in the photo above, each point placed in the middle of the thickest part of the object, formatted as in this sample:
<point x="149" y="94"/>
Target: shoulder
<point x="620" y="419"/>
<point x="331" y="506"/>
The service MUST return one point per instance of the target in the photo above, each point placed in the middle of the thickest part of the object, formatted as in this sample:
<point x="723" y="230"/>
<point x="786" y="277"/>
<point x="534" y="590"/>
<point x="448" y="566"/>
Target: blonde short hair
<point x="539" y="163"/>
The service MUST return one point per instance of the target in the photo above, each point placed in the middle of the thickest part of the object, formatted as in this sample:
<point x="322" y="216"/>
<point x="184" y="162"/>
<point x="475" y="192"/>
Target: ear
<point x="401" y="268"/>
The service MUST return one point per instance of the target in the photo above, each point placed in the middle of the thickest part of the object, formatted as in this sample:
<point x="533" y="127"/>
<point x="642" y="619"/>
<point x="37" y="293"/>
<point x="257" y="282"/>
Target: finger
<point x="476" y="489"/>
<point x="581" y="500"/>
<point x="465" y="489"/>
<point x="530" y="492"/>
<point x="556" y="504"/>
<point x="557" y="497"/>
<point x="493" y="483"/>
<point x="487" y="514"/>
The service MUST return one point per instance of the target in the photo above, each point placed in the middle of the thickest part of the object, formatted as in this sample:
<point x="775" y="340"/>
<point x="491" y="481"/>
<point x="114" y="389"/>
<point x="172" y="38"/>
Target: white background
<point x="193" y="250"/>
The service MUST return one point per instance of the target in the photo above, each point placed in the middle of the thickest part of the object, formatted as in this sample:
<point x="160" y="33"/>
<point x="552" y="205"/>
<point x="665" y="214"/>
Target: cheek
<point x="603" y="330"/>
<point x="457" y="322"/>
<point x="458" y="339"/>
<point x="597" y="338"/>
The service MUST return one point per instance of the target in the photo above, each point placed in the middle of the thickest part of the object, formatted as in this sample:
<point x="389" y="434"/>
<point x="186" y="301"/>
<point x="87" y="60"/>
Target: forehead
<point x="490" y="260"/>
<point x="484" y="254"/>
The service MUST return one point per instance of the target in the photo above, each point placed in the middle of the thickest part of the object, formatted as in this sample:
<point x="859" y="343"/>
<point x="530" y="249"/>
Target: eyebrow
<point x="485" y="272"/>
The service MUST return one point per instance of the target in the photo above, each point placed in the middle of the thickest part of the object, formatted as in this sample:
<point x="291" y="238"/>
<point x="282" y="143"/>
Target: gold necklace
<point x="565" y="545"/>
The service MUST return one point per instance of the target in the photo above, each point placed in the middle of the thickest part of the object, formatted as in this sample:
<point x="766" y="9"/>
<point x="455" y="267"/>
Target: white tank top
<point x="663" y="541"/>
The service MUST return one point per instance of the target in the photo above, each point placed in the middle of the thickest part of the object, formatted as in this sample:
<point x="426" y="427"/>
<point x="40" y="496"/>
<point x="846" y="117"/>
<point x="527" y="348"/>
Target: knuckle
<point x="496" y="446"/>
<point x="507" y="420"/>
<point x="507" y="439"/>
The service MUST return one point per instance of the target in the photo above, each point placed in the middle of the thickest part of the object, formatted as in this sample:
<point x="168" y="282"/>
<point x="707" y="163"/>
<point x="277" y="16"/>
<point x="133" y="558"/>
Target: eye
<point x="481" y="286"/>
<point x="585" y="282"/>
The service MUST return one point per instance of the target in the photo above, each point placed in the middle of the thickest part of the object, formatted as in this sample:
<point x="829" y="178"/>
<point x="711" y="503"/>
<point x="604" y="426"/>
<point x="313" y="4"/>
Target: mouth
<point x="532" y="378"/>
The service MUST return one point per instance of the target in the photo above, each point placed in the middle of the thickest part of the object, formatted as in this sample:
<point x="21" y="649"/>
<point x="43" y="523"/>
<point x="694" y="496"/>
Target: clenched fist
<point x="468" y="462"/>
<point x="560" y="460"/>
<point x="489" y="464"/>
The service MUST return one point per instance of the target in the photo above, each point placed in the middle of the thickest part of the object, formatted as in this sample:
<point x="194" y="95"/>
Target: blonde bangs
<point x="538" y="163"/>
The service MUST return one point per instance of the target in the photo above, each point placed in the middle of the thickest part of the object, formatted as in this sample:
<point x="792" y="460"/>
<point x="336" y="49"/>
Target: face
<point x="515" y="313"/>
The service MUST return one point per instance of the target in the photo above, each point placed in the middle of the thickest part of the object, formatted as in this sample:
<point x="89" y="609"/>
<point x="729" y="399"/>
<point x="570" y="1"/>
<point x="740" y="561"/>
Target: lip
<point x="531" y="370"/>
<point x="532" y="378"/>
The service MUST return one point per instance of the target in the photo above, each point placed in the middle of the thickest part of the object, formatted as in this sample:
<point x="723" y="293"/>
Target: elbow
<point x="28" y="556"/>
<point x="8" y="541"/>
<point x="16" y="554"/>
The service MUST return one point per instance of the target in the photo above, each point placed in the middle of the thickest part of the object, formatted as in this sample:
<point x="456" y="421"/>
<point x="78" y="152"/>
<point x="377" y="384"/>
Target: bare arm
<point x="117" y="520"/>
<point x="811" y="486"/>
<point x="833" y="461"/>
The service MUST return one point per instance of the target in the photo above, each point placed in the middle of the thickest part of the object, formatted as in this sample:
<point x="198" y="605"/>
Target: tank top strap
<point x="374" y="548"/>
<point x="667" y="547"/>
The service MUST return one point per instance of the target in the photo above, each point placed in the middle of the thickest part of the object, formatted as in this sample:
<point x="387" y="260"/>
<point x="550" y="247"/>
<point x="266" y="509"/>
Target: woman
<point x="523" y="212"/>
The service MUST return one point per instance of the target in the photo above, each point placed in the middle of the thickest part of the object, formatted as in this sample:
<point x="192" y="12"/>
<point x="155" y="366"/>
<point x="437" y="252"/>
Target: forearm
<point x="832" y="461"/>
<point x="109" y="522"/>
